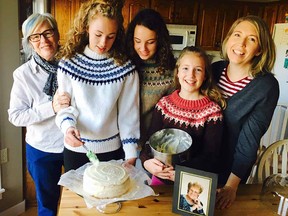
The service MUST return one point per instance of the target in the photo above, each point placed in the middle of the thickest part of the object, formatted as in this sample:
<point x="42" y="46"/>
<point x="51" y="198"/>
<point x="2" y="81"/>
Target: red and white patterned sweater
<point x="202" y="119"/>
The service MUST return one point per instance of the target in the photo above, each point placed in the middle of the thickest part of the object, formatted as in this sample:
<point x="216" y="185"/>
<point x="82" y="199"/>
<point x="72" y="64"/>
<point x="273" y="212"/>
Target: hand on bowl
<point x="157" y="168"/>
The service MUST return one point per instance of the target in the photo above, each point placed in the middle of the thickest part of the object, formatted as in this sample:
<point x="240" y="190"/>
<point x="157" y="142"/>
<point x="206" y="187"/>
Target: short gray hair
<point x="29" y="26"/>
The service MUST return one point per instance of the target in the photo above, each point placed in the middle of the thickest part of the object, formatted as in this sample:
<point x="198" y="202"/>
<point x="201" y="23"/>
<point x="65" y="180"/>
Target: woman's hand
<point x="225" y="197"/>
<point x="197" y="205"/>
<point x="60" y="101"/>
<point x="157" y="168"/>
<point x="72" y="137"/>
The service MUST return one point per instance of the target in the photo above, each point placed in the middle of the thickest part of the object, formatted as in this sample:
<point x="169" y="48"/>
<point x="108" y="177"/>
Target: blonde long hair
<point x="264" y="62"/>
<point x="78" y="38"/>
<point x="208" y="87"/>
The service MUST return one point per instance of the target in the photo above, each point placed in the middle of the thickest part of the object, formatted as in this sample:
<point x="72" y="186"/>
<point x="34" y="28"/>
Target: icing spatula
<point x="91" y="156"/>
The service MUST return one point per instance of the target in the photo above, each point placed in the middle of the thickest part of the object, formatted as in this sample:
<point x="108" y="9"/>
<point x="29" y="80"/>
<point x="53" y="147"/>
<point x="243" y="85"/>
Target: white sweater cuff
<point x="130" y="151"/>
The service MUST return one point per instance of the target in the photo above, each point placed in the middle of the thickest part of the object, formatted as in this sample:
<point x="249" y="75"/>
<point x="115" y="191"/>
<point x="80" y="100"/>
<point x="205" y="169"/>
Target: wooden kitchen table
<point x="247" y="203"/>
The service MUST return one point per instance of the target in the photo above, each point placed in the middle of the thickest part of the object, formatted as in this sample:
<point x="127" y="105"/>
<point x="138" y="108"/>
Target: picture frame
<point x="194" y="186"/>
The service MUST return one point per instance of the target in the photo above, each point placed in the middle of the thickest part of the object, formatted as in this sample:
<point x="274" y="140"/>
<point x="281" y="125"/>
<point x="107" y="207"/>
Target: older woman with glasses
<point x="34" y="102"/>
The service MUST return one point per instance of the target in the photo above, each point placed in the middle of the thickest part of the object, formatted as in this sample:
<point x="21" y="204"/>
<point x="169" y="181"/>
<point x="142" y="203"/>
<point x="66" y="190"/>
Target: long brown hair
<point x="152" y="20"/>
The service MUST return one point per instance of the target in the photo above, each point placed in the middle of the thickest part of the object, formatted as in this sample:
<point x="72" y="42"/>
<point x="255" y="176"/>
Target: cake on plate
<point x="106" y="180"/>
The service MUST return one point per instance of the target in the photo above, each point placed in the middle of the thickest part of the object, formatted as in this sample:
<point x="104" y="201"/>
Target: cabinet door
<point x="64" y="12"/>
<point x="165" y="8"/>
<point x="253" y="9"/>
<point x="131" y="8"/>
<point x="215" y="20"/>
<point x="270" y="15"/>
<point x="185" y="12"/>
<point x="208" y="23"/>
<point x="230" y="13"/>
<point x="282" y="10"/>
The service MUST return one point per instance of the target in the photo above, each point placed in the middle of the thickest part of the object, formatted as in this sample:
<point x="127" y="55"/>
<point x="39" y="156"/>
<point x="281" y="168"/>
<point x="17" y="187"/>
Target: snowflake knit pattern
<point x="104" y="102"/>
<point x="100" y="72"/>
<point x="189" y="113"/>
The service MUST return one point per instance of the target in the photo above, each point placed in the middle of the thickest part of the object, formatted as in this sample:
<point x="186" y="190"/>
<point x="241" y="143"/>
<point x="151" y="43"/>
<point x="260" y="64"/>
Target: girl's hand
<point x="131" y="161"/>
<point x="225" y="197"/>
<point x="72" y="137"/>
<point x="157" y="168"/>
<point x="172" y="175"/>
<point x="60" y="101"/>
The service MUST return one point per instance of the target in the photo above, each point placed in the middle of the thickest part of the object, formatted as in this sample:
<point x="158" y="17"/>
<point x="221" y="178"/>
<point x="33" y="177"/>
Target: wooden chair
<point x="278" y="127"/>
<point x="273" y="160"/>
<point x="276" y="131"/>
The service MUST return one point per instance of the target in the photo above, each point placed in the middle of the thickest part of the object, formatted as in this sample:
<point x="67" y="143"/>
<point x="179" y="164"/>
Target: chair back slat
<point x="273" y="160"/>
<point x="284" y="125"/>
<point x="284" y="159"/>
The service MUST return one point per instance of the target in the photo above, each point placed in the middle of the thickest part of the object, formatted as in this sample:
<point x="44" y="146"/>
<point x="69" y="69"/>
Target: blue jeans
<point x="45" y="169"/>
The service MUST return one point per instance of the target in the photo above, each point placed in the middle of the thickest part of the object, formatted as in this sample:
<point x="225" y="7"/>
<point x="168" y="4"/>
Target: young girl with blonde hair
<point x="104" y="87"/>
<point x="195" y="107"/>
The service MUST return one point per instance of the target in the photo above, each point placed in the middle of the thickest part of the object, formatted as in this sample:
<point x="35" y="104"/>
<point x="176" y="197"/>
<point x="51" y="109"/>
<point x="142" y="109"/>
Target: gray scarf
<point x="50" y="68"/>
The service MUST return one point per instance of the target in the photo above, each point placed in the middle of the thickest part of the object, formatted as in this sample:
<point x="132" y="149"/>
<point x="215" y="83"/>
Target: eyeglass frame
<point x="44" y="34"/>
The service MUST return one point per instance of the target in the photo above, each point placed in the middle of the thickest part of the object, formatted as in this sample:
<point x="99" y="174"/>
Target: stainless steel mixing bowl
<point x="171" y="146"/>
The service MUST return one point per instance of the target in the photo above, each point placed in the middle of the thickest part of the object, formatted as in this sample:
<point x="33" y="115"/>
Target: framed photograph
<point x="194" y="191"/>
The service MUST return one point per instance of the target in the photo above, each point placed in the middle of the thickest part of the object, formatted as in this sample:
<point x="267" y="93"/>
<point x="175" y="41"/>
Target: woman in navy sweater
<point x="252" y="92"/>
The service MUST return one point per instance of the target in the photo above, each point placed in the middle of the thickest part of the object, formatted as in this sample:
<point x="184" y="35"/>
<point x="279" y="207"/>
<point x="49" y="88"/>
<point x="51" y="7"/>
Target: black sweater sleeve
<point x="257" y="107"/>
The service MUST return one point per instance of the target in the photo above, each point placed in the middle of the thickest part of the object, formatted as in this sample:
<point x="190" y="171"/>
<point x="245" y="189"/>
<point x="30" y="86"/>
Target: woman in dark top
<point x="252" y="92"/>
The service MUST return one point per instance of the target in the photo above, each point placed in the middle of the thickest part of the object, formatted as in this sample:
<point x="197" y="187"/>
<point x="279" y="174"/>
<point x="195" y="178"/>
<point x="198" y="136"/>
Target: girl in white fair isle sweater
<point x="104" y="88"/>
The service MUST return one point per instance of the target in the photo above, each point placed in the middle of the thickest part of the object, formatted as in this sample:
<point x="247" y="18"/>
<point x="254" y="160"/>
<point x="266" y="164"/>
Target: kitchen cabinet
<point x="131" y="8"/>
<point x="270" y="15"/>
<point x="213" y="18"/>
<point x="214" y="21"/>
<point x="177" y="11"/>
<point x="165" y="8"/>
<point x="266" y="11"/>
<point x="186" y="12"/>
<point x="282" y="10"/>
<point x="64" y="12"/>
<point x="253" y="9"/>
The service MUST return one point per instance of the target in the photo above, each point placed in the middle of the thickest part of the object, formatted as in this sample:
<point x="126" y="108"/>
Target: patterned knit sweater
<point x="153" y="86"/>
<point x="104" y="102"/>
<point x="202" y="119"/>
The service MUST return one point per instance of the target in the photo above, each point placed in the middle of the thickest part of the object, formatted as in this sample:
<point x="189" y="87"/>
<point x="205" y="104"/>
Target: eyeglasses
<point x="36" y="37"/>
<point x="194" y="191"/>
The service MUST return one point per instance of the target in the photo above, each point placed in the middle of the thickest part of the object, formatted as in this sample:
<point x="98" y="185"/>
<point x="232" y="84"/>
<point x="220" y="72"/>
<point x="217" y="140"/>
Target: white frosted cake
<point x="106" y="180"/>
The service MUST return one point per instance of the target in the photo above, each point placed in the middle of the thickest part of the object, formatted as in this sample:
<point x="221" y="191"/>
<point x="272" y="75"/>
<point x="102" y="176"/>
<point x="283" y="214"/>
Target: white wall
<point x="10" y="136"/>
